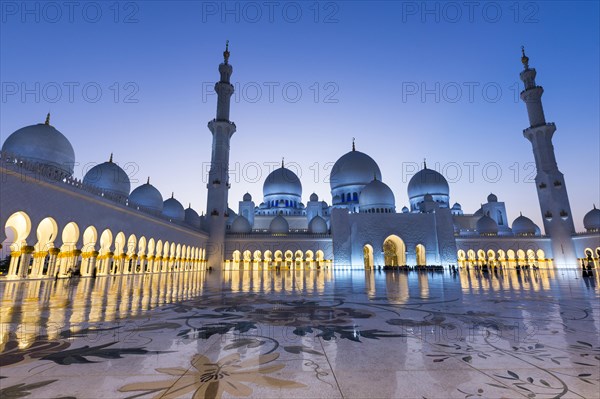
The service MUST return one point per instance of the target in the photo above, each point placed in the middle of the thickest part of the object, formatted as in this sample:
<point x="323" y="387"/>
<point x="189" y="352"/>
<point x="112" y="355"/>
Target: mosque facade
<point x="56" y="225"/>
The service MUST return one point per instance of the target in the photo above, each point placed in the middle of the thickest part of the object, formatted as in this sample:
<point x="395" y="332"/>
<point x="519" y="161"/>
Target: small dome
<point x="492" y="198"/>
<point x="279" y="225"/>
<point x="404" y="209"/>
<point x="191" y="217"/>
<point x="241" y="225"/>
<point x="247" y="197"/>
<point x="487" y="225"/>
<point x="314" y="197"/>
<point x="479" y="212"/>
<point x="376" y="194"/>
<point x="173" y="210"/>
<point x="147" y="196"/>
<point x="282" y="181"/>
<point x="42" y="144"/>
<point x="317" y="225"/>
<point x="524" y="226"/>
<point x="456" y="207"/>
<point x="591" y="220"/>
<point x="108" y="177"/>
<point x="353" y="168"/>
<point x="427" y="181"/>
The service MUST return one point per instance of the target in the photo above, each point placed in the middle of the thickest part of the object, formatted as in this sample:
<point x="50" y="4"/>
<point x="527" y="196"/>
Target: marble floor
<point x="303" y="334"/>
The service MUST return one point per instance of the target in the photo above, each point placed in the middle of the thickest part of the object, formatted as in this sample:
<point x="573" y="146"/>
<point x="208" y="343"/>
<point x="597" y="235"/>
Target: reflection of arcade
<point x="264" y="281"/>
<point x="48" y="310"/>
<point x="277" y="261"/>
<point x="503" y="259"/>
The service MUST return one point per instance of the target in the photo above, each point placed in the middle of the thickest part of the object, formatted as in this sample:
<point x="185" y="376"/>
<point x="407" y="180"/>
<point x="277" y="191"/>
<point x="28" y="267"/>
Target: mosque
<point x="56" y="224"/>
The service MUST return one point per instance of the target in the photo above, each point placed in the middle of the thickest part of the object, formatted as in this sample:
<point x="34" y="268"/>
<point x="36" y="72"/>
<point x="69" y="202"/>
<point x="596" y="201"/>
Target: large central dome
<point x="353" y="168"/>
<point x="282" y="181"/>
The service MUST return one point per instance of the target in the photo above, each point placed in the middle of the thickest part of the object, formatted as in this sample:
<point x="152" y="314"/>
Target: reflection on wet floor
<point x="318" y="332"/>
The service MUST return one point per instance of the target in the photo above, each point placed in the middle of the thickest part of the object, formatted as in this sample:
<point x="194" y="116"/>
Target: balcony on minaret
<point x="548" y="216"/>
<point x="564" y="215"/>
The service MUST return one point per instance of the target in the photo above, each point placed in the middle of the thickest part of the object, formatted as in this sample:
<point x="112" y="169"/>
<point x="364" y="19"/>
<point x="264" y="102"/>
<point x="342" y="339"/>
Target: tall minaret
<point x="550" y="182"/>
<point x="218" y="177"/>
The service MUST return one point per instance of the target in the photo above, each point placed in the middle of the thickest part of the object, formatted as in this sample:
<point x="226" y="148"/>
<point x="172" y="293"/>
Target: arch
<point x="491" y="255"/>
<point x="142" y="246"/>
<point x="18" y="226"/>
<point x="461" y="255"/>
<point x="257" y="255"/>
<point x="131" y="245"/>
<point x="278" y="255"/>
<point x="178" y="251"/>
<point x="90" y="237"/>
<point x="247" y="255"/>
<point x="70" y="236"/>
<point x="106" y="239"/>
<point x="501" y="254"/>
<point x="320" y="256"/>
<point x="368" y="256"/>
<point x="159" y="248"/>
<point x="421" y="255"/>
<point x="237" y="255"/>
<point x="119" y="243"/>
<point x="172" y="250"/>
<point x="510" y="254"/>
<point x="471" y="255"/>
<point x="521" y="254"/>
<point x="309" y="255"/>
<point x="268" y="255"/>
<point x="288" y="255"/>
<point x="46" y="233"/>
<point x="481" y="254"/>
<point x="151" y="247"/>
<point x="394" y="251"/>
<point x="298" y="255"/>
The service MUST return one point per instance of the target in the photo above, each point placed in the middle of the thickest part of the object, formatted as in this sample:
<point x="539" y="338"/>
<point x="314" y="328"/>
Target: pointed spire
<point x="353" y="144"/>
<point x="282" y="159"/>
<point x="172" y="194"/>
<point x="524" y="58"/>
<point x="226" y="52"/>
<point x="424" y="163"/>
<point x="148" y="182"/>
<point x="47" y="123"/>
<point x="110" y="159"/>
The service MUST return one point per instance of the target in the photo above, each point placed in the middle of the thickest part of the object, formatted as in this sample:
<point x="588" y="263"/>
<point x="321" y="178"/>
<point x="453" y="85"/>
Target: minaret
<point x="550" y="182"/>
<point x="218" y="177"/>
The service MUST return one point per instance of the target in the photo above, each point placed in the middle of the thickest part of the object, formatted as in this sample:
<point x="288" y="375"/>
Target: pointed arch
<point x="394" y="251"/>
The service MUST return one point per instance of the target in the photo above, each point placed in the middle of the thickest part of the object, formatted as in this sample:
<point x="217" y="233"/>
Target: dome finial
<point x="189" y="204"/>
<point x="520" y="213"/>
<point x="172" y="194"/>
<point x="353" y="145"/>
<point x="47" y="123"/>
<point x="524" y="58"/>
<point x="110" y="159"/>
<point x="226" y="52"/>
<point x="424" y="163"/>
<point x="282" y="159"/>
<point x="148" y="181"/>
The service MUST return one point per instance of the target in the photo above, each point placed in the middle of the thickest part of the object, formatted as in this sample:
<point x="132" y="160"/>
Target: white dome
<point x="147" y="196"/>
<point x="241" y="225"/>
<point x="487" y="225"/>
<point x="108" y="177"/>
<point x="456" y="206"/>
<point x="591" y="220"/>
<point x="282" y="181"/>
<point x="524" y="226"/>
<point x="353" y="168"/>
<point x="427" y="181"/>
<point x="43" y="144"/>
<point x="279" y="225"/>
<point x="173" y="210"/>
<point x="376" y="194"/>
<point x="191" y="217"/>
<point x="317" y="225"/>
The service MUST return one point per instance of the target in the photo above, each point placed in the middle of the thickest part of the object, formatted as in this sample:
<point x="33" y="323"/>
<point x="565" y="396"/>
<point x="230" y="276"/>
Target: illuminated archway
<point x="368" y="256"/>
<point x="421" y="255"/>
<point x="394" y="251"/>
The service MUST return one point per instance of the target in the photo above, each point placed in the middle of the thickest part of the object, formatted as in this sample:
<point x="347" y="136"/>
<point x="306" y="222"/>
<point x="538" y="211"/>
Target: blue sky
<point x="408" y="80"/>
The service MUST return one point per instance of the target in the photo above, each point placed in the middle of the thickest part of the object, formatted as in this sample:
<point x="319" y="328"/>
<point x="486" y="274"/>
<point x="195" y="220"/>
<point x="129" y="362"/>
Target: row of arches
<point x="278" y="259"/>
<point x="90" y="253"/>
<point x="503" y="258"/>
<point x="394" y="253"/>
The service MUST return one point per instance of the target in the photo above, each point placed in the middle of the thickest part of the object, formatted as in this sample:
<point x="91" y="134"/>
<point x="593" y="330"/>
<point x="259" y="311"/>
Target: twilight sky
<point x="409" y="80"/>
